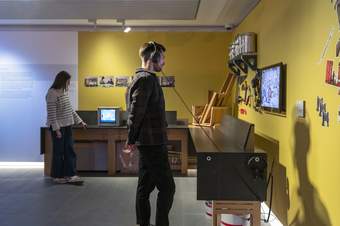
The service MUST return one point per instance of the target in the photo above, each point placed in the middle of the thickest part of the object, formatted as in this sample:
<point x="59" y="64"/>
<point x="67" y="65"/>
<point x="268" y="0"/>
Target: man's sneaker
<point x="60" y="180"/>
<point x="74" y="180"/>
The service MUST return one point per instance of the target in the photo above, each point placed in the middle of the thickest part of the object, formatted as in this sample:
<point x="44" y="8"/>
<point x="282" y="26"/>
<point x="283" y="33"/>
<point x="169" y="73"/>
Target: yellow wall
<point x="295" y="32"/>
<point x="196" y="59"/>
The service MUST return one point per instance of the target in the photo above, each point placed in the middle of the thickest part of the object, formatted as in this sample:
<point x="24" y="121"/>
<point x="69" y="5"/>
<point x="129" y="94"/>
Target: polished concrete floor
<point x="27" y="198"/>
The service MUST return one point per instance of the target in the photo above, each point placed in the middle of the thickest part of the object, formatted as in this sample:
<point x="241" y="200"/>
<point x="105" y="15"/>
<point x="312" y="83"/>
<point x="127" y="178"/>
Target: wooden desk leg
<point x="111" y="157"/>
<point x="214" y="219"/>
<point x="184" y="153"/>
<point x="48" y="153"/>
<point x="214" y="214"/>
<point x="256" y="216"/>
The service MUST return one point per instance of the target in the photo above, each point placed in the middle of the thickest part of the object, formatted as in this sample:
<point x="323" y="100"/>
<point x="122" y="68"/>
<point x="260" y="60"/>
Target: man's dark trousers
<point x="154" y="171"/>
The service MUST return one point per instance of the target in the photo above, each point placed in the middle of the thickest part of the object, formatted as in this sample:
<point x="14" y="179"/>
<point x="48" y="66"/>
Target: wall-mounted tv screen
<point x="108" y="116"/>
<point x="273" y="88"/>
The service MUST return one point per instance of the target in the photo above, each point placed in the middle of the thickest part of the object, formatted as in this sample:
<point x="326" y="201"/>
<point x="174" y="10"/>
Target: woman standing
<point x="60" y="118"/>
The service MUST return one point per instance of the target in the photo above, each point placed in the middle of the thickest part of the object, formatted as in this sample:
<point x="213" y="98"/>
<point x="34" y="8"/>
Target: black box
<point x="232" y="176"/>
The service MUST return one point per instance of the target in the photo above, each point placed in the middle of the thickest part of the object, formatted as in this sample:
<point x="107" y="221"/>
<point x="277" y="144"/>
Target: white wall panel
<point x="29" y="62"/>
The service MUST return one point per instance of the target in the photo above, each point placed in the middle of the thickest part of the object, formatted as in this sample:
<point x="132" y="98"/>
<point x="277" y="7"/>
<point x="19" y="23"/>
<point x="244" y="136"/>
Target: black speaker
<point x="232" y="176"/>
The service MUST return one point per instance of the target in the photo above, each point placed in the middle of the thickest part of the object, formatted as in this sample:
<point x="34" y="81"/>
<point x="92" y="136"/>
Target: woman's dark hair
<point x="60" y="81"/>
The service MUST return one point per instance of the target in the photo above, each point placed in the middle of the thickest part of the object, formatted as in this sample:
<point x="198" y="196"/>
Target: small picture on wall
<point x="325" y="119"/>
<point x="332" y="78"/>
<point x="337" y="48"/>
<point x="91" y="81"/>
<point x="122" y="81"/>
<point x="167" y="81"/>
<point x="322" y="109"/>
<point x="106" y="81"/>
<point x="339" y="114"/>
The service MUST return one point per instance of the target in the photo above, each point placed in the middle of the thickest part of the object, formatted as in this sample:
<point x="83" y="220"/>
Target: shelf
<point x="242" y="62"/>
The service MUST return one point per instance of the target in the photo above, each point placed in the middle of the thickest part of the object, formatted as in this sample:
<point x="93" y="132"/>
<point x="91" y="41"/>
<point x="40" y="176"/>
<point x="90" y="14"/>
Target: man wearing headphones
<point x="147" y="133"/>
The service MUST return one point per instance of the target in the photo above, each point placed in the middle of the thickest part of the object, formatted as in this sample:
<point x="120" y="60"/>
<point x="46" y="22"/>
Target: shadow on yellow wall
<point x="280" y="202"/>
<point x="313" y="211"/>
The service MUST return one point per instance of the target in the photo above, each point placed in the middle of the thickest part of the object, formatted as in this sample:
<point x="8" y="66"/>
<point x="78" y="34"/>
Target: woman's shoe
<point x="74" y="180"/>
<point x="59" y="180"/>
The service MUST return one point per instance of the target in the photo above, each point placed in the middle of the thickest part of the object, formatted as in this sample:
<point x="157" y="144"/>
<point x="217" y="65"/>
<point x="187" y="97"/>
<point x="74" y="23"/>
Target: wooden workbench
<point x="111" y="135"/>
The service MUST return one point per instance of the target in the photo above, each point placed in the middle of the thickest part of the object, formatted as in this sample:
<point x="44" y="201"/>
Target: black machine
<point x="227" y="167"/>
<point x="231" y="176"/>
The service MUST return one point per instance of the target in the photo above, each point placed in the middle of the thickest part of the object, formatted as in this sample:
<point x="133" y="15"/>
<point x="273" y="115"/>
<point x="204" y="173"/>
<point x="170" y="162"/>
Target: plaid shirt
<point x="146" y="110"/>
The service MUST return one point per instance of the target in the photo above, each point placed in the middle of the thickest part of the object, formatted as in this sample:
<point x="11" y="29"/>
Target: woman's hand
<point x="58" y="134"/>
<point x="83" y="124"/>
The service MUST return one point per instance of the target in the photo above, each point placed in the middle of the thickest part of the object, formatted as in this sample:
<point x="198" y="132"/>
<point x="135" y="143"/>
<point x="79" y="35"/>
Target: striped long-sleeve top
<point x="59" y="110"/>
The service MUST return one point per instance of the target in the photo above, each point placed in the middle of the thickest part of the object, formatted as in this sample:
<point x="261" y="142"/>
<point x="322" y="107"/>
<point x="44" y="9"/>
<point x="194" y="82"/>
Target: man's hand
<point x="58" y="134"/>
<point x="129" y="148"/>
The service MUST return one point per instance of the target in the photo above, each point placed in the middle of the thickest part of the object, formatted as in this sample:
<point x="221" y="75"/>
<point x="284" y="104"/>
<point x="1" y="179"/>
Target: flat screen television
<point x="273" y="88"/>
<point x="108" y="116"/>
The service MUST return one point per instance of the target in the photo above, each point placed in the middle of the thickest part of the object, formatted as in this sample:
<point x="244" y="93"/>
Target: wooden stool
<point x="237" y="208"/>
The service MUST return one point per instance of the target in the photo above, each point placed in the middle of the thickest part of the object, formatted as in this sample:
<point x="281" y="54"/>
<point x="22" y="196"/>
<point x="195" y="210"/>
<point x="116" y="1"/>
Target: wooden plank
<point x="221" y="99"/>
<point x="206" y="116"/>
<point x="230" y="85"/>
<point x="203" y="113"/>
<point x="227" y="90"/>
<point x="226" y="82"/>
<point x="197" y="113"/>
<point x="238" y="208"/>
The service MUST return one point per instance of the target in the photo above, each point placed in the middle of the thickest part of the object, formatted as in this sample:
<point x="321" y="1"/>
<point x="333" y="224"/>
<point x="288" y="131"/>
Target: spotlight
<point x="127" y="29"/>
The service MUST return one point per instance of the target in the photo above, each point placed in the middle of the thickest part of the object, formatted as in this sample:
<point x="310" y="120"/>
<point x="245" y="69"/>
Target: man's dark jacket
<point x="146" y="110"/>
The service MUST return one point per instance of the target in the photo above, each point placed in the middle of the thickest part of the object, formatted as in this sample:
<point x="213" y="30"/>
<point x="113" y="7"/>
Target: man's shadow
<point x="280" y="192"/>
<point x="313" y="211"/>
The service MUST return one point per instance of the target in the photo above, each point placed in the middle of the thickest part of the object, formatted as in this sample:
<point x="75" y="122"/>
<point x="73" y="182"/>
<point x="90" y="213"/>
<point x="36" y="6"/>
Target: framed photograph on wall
<point x="121" y="81"/>
<point x="106" y="81"/>
<point x="91" y="81"/>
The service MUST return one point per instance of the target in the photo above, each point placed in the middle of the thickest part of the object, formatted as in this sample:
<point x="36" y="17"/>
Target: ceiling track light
<point x="94" y="22"/>
<point x="126" y="29"/>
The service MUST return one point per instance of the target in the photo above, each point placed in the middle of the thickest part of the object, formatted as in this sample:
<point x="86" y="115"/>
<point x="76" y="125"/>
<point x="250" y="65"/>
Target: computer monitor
<point x="273" y="88"/>
<point x="108" y="116"/>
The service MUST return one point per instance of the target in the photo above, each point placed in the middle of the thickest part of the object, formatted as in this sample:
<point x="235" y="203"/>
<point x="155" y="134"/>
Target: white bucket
<point x="208" y="208"/>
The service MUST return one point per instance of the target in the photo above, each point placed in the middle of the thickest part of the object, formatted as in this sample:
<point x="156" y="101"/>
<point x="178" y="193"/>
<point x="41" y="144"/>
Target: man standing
<point x="147" y="133"/>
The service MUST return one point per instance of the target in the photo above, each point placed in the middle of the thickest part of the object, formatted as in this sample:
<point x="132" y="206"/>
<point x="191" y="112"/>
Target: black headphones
<point x="153" y="56"/>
